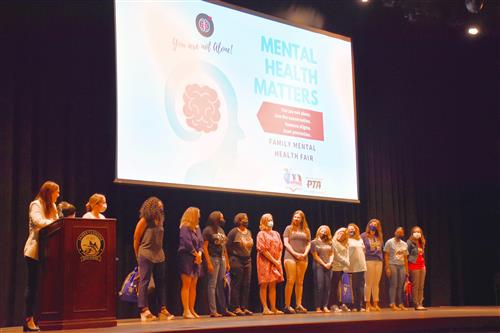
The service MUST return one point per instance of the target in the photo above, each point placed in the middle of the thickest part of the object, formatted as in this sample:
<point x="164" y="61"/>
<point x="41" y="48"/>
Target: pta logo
<point x="313" y="184"/>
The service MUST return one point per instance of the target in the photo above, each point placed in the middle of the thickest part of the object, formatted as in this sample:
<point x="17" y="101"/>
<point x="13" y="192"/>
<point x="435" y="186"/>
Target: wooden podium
<point x="78" y="274"/>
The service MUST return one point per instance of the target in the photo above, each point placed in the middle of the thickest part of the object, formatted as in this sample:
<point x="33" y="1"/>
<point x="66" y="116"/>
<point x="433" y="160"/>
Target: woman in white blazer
<point x="42" y="212"/>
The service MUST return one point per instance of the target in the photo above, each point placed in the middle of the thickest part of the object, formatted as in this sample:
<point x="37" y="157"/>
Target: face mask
<point x="373" y="228"/>
<point x="244" y="223"/>
<point x="270" y="224"/>
<point x="221" y="223"/>
<point x="104" y="207"/>
<point x="417" y="235"/>
<point x="352" y="233"/>
<point x="324" y="236"/>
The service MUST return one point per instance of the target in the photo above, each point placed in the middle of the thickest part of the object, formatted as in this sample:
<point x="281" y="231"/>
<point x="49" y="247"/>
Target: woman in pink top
<point x="269" y="266"/>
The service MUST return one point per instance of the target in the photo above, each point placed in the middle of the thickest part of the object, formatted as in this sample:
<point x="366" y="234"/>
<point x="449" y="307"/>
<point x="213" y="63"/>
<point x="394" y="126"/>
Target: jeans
<point x="418" y="280"/>
<point x="241" y="273"/>
<point x="334" y="298"/>
<point x="31" y="291"/>
<point x="358" y="285"/>
<point x="322" y="285"/>
<point x="396" y="284"/>
<point x="216" y="285"/>
<point x="146" y="268"/>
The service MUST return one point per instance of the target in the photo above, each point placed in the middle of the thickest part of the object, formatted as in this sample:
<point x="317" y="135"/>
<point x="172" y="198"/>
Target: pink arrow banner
<point x="291" y="121"/>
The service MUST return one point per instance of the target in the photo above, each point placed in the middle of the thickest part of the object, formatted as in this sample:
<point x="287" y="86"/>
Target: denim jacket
<point x="412" y="251"/>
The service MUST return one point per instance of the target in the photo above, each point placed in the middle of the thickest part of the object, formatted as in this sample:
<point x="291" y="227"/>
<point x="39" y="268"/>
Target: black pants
<point x="31" y="292"/>
<point x="334" y="289"/>
<point x="358" y="289"/>
<point x="241" y="273"/>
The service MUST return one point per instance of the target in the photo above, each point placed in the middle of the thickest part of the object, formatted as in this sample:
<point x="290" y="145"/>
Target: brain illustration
<point x="201" y="108"/>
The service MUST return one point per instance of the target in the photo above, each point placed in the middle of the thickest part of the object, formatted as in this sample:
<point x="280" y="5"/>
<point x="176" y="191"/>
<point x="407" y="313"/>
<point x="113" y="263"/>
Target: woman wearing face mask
<point x="148" y="248"/>
<point x="95" y="207"/>
<point x="416" y="265"/>
<point x="297" y="241"/>
<point x="396" y="268"/>
<point x="269" y="268"/>
<point x="42" y="212"/>
<point x="339" y="264"/>
<point x="373" y="239"/>
<point x="322" y="253"/>
<point x="214" y="250"/>
<point x="357" y="267"/>
<point x="239" y="247"/>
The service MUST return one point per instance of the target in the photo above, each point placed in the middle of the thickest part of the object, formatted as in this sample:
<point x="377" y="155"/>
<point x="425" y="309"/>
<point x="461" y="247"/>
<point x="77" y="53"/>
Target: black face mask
<point x="245" y="224"/>
<point x="221" y="223"/>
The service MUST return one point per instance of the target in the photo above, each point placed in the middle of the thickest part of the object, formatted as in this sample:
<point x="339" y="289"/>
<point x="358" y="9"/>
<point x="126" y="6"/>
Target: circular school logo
<point x="90" y="245"/>
<point x="205" y="25"/>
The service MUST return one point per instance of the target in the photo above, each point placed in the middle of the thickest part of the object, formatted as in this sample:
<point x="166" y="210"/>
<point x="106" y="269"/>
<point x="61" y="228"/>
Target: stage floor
<point x="438" y="319"/>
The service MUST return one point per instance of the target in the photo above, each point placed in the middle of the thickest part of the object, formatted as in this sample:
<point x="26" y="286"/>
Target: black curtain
<point x="428" y="139"/>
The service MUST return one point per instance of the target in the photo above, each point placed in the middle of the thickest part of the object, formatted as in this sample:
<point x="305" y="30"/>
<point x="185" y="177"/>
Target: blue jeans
<point x="216" y="285"/>
<point x="322" y="284"/>
<point x="396" y="284"/>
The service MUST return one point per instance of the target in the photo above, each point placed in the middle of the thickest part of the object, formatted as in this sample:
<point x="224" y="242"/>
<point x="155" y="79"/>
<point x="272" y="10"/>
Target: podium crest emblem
<point x="90" y="245"/>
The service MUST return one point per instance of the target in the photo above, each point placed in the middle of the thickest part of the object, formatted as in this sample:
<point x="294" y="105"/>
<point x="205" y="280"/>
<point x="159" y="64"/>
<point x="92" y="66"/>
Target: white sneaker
<point x="147" y="316"/>
<point x="335" y="308"/>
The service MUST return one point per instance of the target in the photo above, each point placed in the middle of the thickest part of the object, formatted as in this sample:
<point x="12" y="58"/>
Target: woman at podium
<point x="95" y="207"/>
<point x="42" y="212"/>
<point x="148" y="247"/>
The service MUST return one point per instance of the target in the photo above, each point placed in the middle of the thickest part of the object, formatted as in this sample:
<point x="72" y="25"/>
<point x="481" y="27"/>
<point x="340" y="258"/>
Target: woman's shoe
<point x="239" y="312"/>
<point x="326" y="309"/>
<point x="147" y="316"/>
<point x="189" y="315"/>
<point x="278" y="312"/>
<point x="247" y="312"/>
<point x="345" y="308"/>
<point x="300" y="309"/>
<point x="165" y="315"/>
<point x="267" y="312"/>
<point x="215" y="315"/>
<point x="376" y="307"/>
<point x="394" y="307"/>
<point x="402" y="307"/>
<point x="194" y="314"/>
<point x="229" y="314"/>
<point x="289" y="310"/>
<point x="30" y="326"/>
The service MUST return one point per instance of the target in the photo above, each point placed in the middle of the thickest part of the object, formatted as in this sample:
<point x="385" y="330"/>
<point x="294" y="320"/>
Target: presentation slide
<point x="212" y="97"/>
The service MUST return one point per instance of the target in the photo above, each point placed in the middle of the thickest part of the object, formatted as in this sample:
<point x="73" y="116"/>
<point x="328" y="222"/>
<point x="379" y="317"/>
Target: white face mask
<point x="417" y="235"/>
<point x="270" y="223"/>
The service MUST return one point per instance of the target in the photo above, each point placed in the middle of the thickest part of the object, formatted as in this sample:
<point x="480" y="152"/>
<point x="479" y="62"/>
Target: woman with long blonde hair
<point x="190" y="256"/>
<point x="357" y="266"/>
<point x="374" y="241"/>
<point x="322" y="253"/>
<point x="42" y="212"/>
<point x="339" y="264"/>
<point x="269" y="267"/>
<point x="297" y="241"/>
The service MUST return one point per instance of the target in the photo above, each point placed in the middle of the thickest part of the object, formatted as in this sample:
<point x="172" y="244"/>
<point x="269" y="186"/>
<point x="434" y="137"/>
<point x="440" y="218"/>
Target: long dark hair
<point x="151" y="211"/>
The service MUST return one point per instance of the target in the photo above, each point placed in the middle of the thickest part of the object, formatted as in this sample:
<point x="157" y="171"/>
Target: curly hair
<point x="214" y="218"/>
<point x="152" y="211"/>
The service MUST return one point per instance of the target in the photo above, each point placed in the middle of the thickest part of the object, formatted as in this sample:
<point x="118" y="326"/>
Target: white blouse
<point x="37" y="221"/>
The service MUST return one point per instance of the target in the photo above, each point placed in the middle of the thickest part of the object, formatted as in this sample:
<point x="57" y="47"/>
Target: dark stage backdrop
<point x="428" y="128"/>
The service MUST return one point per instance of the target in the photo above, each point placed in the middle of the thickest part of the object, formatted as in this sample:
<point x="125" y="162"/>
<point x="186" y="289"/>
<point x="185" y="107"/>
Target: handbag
<point x="128" y="291"/>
